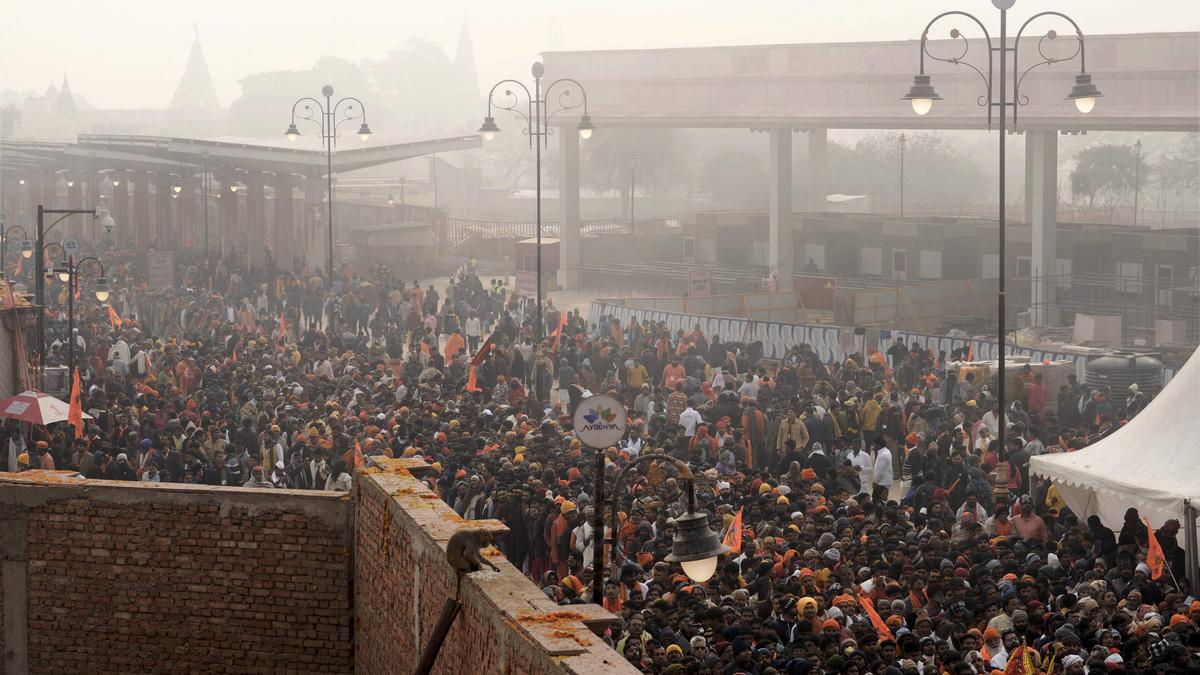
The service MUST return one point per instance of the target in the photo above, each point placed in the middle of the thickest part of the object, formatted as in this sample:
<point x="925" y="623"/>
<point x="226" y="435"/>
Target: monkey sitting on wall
<point x="465" y="551"/>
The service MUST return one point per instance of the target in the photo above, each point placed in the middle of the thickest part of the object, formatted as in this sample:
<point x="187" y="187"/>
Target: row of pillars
<point x="1041" y="191"/>
<point x="149" y="213"/>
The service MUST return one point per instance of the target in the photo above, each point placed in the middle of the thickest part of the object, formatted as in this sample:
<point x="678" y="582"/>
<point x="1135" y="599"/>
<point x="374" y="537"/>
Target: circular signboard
<point x="600" y="421"/>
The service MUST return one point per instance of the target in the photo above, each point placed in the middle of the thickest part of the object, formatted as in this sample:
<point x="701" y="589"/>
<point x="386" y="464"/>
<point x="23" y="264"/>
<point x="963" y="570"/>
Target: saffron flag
<point x="557" y="334"/>
<point x="20" y="259"/>
<point x="472" y="386"/>
<point x="733" y="538"/>
<point x="283" y="331"/>
<point x="484" y="350"/>
<point x="354" y="456"/>
<point x="1154" y="556"/>
<point x="877" y="621"/>
<point x="114" y="318"/>
<point x="75" y="412"/>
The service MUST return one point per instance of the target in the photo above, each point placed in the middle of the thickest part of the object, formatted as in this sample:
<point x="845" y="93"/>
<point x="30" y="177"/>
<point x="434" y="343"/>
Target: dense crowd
<point x="878" y="525"/>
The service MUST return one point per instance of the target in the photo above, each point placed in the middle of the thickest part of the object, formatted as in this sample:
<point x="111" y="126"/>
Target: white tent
<point x="1151" y="464"/>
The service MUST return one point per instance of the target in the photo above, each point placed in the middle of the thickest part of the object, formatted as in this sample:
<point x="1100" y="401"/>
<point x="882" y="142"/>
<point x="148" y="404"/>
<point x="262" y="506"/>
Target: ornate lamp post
<point x="68" y="271"/>
<point x="537" y="113"/>
<point x="325" y="117"/>
<point x="922" y="96"/>
<point x="26" y="245"/>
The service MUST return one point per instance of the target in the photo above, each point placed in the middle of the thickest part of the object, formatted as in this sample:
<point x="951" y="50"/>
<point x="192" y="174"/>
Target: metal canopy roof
<point x="164" y="154"/>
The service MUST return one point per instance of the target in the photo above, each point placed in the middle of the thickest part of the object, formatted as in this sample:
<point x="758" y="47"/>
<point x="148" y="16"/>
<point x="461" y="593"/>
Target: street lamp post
<point x="26" y="245"/>
<point x="40" y="264"/>
<point x="325" y="117"/>
<point x="1137" y="178"/>
<point x="696" y="546"/>
<point x="632" y="192"/>
<point x="902" y="140"/>
<point x="922" y="96"/>
<point x="69" y="272"/>
<point x="537" y="119"/>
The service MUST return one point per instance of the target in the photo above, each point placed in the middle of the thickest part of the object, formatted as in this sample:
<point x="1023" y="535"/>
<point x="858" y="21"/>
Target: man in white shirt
<point x="882" y="477"/>
<point x="474" y="332"/>
<point x="689" y="419"/>
<point x="861" y="460"/>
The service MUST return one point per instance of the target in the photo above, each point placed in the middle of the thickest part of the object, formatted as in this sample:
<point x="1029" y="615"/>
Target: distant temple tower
<point x="194" y="111"/>
<point x="66" y="101"/>
<point x="466" y="76"/>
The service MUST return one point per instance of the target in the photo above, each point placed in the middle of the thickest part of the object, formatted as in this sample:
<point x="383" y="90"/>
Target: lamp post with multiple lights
<point x="68" y="271"/>
<point x="40" y="263"/>
<point x="922" y="96"/>
<point x="535" y="108"/>
<point x="325" y="117"/>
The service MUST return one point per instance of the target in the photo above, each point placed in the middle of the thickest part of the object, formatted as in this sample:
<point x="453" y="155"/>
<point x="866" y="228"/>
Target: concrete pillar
<point x="818" y="169"/>
<point x="186" y="207"/>
<point x="256" y="216"/>
<point x="48" y="181"/>
<point x="230" y="227"/>
<point x="779" y="208"/>
<point x="283" y="237"/>
<point x="569" y="246"/>
<point x="141" y="210"/>
<point x="79" y="224"/>
<point x="1041" y="198"/>
<point x="123" y="229"/>
<point x="162" y="235"/>
<point x="315" y="217"/>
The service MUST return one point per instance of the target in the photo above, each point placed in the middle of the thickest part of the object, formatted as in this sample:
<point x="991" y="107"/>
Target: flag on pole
<point x="877" y="621"/>
<point x="472" y="386"/>
<point x="557" y="334"/>
<point x="75" y="411"/>
<point x="484" y="350"/>
<point x="283" y="330"/>
<point x="354" y="456"/>
<point x="114" y="318"/>
<point x="1154" y="556"/>
<point x="733" y="538"/>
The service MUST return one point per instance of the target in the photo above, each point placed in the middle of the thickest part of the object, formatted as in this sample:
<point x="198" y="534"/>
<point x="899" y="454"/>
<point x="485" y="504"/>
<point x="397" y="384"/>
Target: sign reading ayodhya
<point x="600" y="421"/>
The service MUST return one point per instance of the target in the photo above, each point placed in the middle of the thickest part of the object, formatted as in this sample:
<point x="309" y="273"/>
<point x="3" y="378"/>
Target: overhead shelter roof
<point x="160" y="153"/>
<point x="1150" y="81"/>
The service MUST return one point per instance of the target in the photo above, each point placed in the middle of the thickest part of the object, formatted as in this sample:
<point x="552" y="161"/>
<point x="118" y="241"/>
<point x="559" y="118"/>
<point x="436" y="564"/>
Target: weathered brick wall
<point x="136" y="577"/>
<point x="402" y="580"/>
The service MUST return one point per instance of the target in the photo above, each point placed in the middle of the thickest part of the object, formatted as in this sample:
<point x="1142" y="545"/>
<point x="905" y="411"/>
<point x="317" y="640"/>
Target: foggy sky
<point x="131" y="53"/>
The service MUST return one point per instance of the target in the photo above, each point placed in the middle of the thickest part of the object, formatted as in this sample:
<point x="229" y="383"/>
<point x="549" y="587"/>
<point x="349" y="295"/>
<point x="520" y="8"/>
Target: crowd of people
<point x="877" y="524"/>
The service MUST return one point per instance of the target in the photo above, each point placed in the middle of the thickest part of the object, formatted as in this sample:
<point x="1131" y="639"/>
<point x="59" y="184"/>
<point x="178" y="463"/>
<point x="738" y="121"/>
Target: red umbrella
<point x="35" y="407"/>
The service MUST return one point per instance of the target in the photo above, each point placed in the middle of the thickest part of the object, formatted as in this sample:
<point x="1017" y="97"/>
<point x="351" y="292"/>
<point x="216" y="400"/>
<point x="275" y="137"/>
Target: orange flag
<point x="1154" y="557"/>
<point x="234" y="357"/>
<point x="75" y="413"/>
<point x="557" y="334"/>
<point x="283" y="331"/>
<point x="733" y="538"/>
<point x="881" y="627"/>
<point x="114" y="318"/>
<point x="471" y="384"/>
<point x="354" y="456"/>
<point x="20" y="259"/>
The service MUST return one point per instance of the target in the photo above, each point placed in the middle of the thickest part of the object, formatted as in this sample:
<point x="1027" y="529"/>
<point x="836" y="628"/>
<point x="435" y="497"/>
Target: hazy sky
<point x="131" y="53"/>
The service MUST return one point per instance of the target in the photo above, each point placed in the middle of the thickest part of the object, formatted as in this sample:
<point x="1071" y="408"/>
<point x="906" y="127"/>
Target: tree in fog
<point x="263" y="109"/>
<point x="933" y="170"/>
<point x="419" y="93"/>
<point x="735" y="178"/>
<point x="10" y="120"/>
<point x="1177" y="173"/>
<point x="1105" y="175"/>
<point x="608" y="153"/>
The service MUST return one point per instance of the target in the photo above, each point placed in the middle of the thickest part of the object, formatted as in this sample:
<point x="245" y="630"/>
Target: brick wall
<point x="402" y="581"/>
<point x="135" y="577"/>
